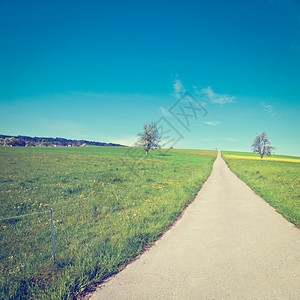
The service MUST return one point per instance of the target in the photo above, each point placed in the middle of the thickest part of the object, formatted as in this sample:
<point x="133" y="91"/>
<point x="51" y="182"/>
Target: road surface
<point x="229" y="244"/>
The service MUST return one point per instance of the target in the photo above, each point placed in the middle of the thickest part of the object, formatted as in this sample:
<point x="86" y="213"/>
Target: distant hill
<point x="20" y="140"/>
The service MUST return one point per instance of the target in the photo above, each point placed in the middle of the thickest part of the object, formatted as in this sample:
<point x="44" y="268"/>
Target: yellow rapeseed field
<point x="294" y="160"/>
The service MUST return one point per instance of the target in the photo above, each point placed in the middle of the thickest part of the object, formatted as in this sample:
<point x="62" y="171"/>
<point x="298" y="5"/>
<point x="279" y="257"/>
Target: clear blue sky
<point x="99" y="70"/>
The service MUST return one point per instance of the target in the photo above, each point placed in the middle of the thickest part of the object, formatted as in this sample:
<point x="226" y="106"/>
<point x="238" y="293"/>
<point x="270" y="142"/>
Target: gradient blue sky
<point x="99" y="70"/>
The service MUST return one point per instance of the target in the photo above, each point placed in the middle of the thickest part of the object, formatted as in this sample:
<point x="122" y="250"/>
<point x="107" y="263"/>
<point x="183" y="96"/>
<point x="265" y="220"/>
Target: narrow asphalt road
<point x="229" y="244"/>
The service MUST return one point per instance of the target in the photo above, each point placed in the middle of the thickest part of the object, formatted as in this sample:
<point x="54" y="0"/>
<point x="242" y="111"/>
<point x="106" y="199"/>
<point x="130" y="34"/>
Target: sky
<point x="99" y="70"/>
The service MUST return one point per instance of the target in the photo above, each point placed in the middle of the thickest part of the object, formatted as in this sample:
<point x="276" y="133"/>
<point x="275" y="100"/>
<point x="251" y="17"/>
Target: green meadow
<point x="277" y="181"/>
<point x="109" y="204"/>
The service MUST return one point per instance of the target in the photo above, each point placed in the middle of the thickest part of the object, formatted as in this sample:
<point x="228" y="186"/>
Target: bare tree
<point x="262" y="145"/>
<point x="149" y="138"/>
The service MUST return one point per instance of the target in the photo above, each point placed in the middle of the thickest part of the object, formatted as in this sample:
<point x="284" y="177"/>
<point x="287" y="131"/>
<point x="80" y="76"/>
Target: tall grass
<point x="277" y="182"/>
<point x="107" y="208"/>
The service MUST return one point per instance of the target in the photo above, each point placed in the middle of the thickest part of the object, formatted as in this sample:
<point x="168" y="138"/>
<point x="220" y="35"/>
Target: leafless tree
<point x="149" y="138"/>
<point x="262" y="145"/>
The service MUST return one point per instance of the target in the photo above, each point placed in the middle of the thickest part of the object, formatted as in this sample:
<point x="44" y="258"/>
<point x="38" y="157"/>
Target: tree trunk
<point x="147" y="151"/>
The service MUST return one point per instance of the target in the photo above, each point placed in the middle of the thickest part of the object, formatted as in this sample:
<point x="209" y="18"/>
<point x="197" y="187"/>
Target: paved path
<point x="229" y="244"/>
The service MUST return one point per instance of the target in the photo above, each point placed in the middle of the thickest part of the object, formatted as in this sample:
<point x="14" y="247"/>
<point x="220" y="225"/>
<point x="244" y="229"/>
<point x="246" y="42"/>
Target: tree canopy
<point x="149" y="138"/>
<point x="262" y="145"/>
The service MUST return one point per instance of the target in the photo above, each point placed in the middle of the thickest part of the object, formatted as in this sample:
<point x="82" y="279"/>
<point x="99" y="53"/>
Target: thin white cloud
<point x="200" y="94"/>
<point x="212" y="123"/>
<point x="270" y="110"/>
<point x="178" y="88"/>
<point x="217" y="98"/>
<point x="196" y="90"/>
<point x="230" y="139"/>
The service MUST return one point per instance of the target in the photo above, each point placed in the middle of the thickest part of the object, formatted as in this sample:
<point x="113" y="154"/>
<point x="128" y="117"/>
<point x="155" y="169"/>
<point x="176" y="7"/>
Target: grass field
<point x="275" y="178"/>
<point x="107" y="207"/>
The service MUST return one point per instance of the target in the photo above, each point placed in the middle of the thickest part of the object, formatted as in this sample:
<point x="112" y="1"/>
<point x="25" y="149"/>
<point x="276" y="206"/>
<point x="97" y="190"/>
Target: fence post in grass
<point x="52" y="233"/>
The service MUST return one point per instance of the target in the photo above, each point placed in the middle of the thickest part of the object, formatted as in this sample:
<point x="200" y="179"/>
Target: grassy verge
<point x="105" y="213"/>
<point x="277" y="180"/>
